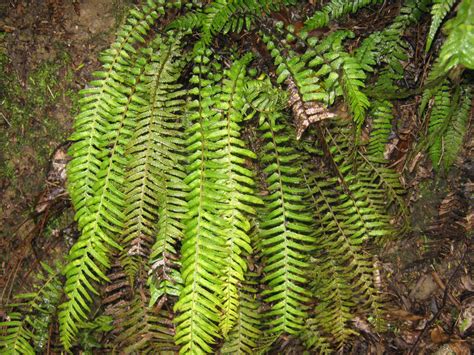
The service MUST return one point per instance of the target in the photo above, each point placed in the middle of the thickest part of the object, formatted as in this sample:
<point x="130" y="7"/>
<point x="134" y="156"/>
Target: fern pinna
<point x="224" y="207"/>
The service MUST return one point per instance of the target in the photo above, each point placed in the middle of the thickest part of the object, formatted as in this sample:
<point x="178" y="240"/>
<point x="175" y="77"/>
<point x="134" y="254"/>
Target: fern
<point x="27" y="326"/>
<point x="440" y="113"/>
<point x="458" y="49"/>
<point x="246" y="333"/>
<point x="457" y="129"/>
<point x="241" y="195"/>
<point x="97" y="171"/>
<point x="439" y="11"/>
<point x="164" y="184"/>
<point x="203" y="248"/>
<point x="334" y="10"/>
<point x="154" y="162"/>
<point x="285" y="232"/>
<point x="448" y="125"/>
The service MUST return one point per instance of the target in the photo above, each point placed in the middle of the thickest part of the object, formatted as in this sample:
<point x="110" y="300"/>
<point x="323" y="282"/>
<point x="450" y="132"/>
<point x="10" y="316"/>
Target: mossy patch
<point x="29" y="123"/>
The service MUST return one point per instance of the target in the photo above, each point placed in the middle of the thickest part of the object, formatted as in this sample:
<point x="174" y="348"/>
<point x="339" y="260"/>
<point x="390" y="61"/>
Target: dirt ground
<point x="48" y="50"/>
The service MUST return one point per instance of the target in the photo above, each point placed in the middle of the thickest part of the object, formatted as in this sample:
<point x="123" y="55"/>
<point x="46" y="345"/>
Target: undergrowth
<point x="224" y="206"/>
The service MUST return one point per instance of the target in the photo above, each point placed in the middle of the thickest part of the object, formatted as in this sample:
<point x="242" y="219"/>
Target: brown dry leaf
<point x="460" y="348"/>
<point x="438" y="336"/>
<point x="404" y="315"/>
<point x="305" y="113"/>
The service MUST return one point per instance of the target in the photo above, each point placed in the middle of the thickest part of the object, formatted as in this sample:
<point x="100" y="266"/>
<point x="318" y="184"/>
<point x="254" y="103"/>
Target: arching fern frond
<point x="440" y="114"/>
<point x="439" y="10"/>
<point x="458" y="48"/>
<point x="102" y="223"/>
<point x="449" y="119"/>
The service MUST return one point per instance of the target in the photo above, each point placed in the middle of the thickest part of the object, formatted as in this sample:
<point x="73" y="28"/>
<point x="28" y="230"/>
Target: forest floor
<point x="48" y="50"/>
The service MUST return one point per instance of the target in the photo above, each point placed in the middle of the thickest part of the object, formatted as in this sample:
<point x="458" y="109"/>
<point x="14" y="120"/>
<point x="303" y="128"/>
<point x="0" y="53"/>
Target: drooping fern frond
<point x="27" y="328"/>
<point x="204" y="245"/>
<point x="145" y="329"/>
<point x="382" y="116"/>
<point x="350" y="210"/>
<point x="388" y="46"/>
<point x="240" y="181"/>
<point x="246" y="333"/>
<point x="96" y="171"/>
<point x="440" y="114"/>
<point x="154" y="160"/>
<point x="439" y="10"/>
<point x="285" y="231"/>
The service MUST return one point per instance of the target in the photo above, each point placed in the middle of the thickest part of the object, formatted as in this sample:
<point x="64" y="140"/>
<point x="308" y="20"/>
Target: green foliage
<point x="449" y="118"/>
<point x="438" y="12"/>
<point x="238" y="208"/>
<point x="27" y="327"/>
<point x="285" y="231"/>
<point x="334" y="10"/>
<point x="458" y="48"/>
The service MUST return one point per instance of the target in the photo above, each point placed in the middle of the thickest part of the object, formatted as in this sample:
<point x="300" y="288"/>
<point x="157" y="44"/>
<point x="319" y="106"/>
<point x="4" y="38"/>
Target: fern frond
<point x="153" y="154"/>
<point x="239" y="180"/>
<point x="26" y="330"/>
<point x="439" y="10"/>
<point x="440" y="114"/>
<point x="103" y="218"/>
<point x="305" y="92"/>
<point x="334" y="10"/>
<point x="448" y="124"/>
<point x="204" y="245"/>
<point x="144" y="329"/>
<point x="246" y="333"/>
<point x="457" y="129"/>
<point x="382" y="115"/>
<point x="285" y="232"/>
<point x="458" y="48"/>
<point x="97" y="105"/>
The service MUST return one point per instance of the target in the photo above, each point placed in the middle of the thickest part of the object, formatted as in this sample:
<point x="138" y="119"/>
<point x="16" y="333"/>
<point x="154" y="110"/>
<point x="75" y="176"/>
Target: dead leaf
<point x="438" y="336"/>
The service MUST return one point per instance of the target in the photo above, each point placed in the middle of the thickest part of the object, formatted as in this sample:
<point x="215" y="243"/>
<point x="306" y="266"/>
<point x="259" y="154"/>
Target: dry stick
<point x="443" y="304"/>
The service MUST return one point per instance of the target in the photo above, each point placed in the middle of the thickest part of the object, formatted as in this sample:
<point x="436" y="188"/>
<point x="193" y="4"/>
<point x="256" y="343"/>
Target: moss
<point x="31" y="119"/>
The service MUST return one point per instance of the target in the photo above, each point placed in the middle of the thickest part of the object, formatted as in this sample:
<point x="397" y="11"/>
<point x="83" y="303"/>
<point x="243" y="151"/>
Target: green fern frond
<point x="352" y="82"/>
<point x="26" y="330"/>
<point x="439" y="10"/>
<point x="449" y="119"/>
<point x="457" y="129"/>
<point x="458" y="48"/>
<point x="334" y="10"/>
<point x="204" y="245"/>
<point x="153" y="154"/>
<point x="100" y="211"/>
<point x="382" y="115"/>
<point x="388" y="46"/>
<point x="285" y="231"/>
<point x="340" y="232"/>
<point x="440" y="114"/>
<point x="246" y="333"/>
<point x="97" y="104"/>
<point x="240" y="181"/>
